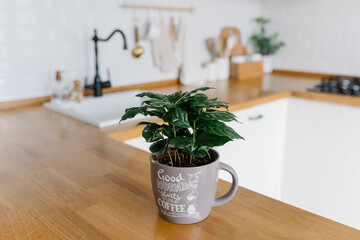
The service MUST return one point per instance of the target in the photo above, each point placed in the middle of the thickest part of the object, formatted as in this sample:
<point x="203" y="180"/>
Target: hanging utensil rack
<point x="161" y="8"/>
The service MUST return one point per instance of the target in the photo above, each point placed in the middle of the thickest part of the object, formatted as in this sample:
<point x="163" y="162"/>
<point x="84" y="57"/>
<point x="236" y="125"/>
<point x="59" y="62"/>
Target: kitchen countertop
<point x="64" y="179"/>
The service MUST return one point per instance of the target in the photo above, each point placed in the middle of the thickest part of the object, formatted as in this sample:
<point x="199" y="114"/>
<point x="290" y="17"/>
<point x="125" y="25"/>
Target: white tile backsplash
<point x="320" y="35"/>
<point x="38" y="37"/>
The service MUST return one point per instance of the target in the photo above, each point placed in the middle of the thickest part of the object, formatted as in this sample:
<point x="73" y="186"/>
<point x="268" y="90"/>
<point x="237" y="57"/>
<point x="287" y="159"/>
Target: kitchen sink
<point x="99" y="111"/>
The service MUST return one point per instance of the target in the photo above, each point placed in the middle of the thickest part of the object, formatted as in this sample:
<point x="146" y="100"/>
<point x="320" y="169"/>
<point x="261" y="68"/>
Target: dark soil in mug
<point x="176" y="159"/>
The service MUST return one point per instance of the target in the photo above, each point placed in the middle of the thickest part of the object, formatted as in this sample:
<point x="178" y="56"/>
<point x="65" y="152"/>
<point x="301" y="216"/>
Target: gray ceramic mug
<point x="186" y="195"/>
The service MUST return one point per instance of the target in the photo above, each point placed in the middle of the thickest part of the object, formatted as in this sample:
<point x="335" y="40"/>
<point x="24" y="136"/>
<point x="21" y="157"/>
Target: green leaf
<point x="214" y="103"/>
<point x="167" y="131"/>
<point x="219" y="128"/>
<point x="157" y="146"/>
<point x="143" y="123"/>
<point x="218" y="115"/>
<point x="204" y="148"/>
<point x="180" y="142"/>
<point x="183" y="98"/>
<point x="200" y="153"/>
<point x="157" y="104"/>
<point x="201" y="89"/>
<point x="177" y="117"/>
<point x="183" y="132"/>
<point x="151" y="132"/>
<point x="155" y="113"/>
<point x="173" y="98"/>
<point x="153" y="96"/>
<point x="262" y="20"/>
<point x="199" y="100"/>
<point x="275" y="36"/>
<point x="132" y="112"/>
<point x="202" y="101"/>
<point x="211" y="140"/>
<point x="188" y="150"/>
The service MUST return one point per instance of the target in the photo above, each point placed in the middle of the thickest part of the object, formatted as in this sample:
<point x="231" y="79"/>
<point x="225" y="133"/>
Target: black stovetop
<point x="340" y="85"/>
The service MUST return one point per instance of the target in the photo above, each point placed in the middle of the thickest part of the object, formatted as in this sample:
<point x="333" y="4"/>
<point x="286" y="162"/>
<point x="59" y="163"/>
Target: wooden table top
<point x="63" y="179"/>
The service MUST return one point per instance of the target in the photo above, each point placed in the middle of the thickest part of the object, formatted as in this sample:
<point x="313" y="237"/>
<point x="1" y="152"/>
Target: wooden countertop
<point x="63" y="179"/>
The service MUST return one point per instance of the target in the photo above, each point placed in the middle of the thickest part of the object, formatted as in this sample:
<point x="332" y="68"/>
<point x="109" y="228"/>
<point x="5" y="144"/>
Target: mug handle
<point x="234" y="186"/>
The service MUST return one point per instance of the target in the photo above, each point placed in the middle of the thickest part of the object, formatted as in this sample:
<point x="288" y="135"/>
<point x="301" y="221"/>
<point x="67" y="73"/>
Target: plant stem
<point x="193" y="140"/>
<point x="178" y="157"/>
<point x="172" y="163"/>
<point x="174" y="131"/>
<point x="194" y="134"/>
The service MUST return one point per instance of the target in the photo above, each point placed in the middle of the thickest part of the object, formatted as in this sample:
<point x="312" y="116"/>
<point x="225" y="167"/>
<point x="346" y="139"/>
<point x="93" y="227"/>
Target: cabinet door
<point x="321" y="171"/>
<point x="258" y="159"/>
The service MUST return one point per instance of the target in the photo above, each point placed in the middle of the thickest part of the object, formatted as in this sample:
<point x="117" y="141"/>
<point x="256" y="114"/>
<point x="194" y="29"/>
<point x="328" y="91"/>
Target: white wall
<point x="321" y="35"/>
<point x="37" y="37"/>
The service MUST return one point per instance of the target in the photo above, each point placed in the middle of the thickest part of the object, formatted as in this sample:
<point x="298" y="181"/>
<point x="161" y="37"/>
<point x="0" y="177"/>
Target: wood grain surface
<point x="63" y="179"/>
<point x="309" y="74"/>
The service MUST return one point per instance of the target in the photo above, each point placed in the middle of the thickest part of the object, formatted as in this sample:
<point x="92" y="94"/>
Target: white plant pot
<point x="268" y="64"/>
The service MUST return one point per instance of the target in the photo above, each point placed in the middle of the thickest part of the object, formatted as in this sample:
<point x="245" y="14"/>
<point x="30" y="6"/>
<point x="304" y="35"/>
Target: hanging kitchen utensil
<point x="163" y="50"/>
<point x="210" y="44"/>
<point x="220" y="46"/>
<point x="173" y="30"/>
<point x="238" y="48"/>
<point x="178" y="44"/>
<point x="152" y="29"/>
<point x="138" y="50"/>
<point x="230" y="44"/>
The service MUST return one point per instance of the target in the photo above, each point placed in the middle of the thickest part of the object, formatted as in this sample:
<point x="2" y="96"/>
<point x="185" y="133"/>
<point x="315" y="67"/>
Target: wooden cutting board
<point x="226" y="32"/>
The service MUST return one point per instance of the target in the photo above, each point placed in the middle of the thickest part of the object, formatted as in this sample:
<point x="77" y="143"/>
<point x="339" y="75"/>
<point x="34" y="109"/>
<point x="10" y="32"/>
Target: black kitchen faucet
<point x="98" y="85"/>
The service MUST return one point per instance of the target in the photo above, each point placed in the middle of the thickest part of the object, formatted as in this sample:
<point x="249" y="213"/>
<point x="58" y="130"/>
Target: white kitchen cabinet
<point x="258" y="159"/>
<point x="321" y="170"/>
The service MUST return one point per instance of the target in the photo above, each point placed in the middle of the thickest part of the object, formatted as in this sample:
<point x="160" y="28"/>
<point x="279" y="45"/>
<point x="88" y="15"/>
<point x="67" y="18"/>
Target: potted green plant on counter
<point x="266" y="45"/>
<point x="184" y="167"/>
